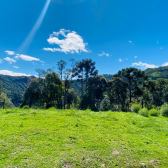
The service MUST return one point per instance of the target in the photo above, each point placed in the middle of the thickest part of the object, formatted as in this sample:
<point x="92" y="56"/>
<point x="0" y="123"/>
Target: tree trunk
<point x="82" y="85"/>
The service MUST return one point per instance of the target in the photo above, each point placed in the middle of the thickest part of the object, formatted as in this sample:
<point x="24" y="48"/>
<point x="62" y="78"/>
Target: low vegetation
<point x="72" y="138"/>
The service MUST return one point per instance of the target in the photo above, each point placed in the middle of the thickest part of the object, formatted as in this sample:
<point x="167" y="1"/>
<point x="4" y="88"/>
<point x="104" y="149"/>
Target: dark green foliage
<point x="84" y="70"/>
<point x="105" y="104"/>
<point x="117" y="93"/>
<point x="136" y="108"/>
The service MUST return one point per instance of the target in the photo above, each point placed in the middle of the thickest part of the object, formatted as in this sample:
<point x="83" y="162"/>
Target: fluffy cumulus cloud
<point x="11" y="73"/>
<point x="104" y="54"/>
<point x="10" y="52"/>
<point x="26" y="57"/>
<point x="144" y="65"/>
<point x="71" y="42"/>
<point x="10" y="60"/>
<point x="165" y="64"/>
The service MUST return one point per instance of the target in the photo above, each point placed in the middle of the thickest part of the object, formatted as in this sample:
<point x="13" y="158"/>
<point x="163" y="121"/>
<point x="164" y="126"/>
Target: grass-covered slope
<point x="155" y="73"/>
<point x="52" y="138"/>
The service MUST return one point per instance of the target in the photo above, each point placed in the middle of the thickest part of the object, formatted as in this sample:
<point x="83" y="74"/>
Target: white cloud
<point x="120" y="60"/>
<point x="126" y="58"/>
<point x="135" y="56"/>
<point x="10" y="52"/>
<point x="11" y="73"/>
<point x="15" y="67"/>
<point x="72" y="42"/>
<point x="1" y="61"/>
<point x="26" y="57"/>
<point x="103" y="53"/>
<point x="144" y="65"/>
<point x="165" y="64"/>
<point x="130" y="41"/>
<point x="10" y="60"/>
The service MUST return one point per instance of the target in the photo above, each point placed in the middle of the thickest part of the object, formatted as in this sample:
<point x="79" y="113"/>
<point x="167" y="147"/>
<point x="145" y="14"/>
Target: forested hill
<point x="14" y="87"/>
<point x="155" y="73"/>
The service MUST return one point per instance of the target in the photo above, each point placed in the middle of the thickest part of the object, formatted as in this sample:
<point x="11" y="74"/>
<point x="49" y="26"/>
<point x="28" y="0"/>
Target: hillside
<point x="75" y="139"/>
<point x="155" y="73"/>
<point x="14" y="87"/>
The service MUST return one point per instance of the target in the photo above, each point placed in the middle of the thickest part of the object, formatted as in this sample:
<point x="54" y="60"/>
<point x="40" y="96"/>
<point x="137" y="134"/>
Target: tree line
<point x="54" y="88"/>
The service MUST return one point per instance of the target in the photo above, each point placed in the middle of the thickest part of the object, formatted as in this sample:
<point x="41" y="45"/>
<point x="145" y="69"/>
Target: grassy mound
<point x="55" y="138"/>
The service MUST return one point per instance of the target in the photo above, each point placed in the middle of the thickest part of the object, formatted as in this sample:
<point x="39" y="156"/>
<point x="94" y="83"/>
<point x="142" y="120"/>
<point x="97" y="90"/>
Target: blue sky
<point x="114" y="33"/>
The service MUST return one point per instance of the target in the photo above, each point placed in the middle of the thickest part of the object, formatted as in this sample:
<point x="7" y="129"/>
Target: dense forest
<point x="81" y="87"/>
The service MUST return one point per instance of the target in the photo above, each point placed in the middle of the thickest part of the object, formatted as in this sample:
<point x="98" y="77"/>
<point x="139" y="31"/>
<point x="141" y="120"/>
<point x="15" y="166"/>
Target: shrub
<point x="154" y="112"/>
<point x="144" y="112"/>
<point x="105" y="104"/>
<point x="135" y="108"/>
<point x="26" y="107"/>
<point x="164" y="110"/>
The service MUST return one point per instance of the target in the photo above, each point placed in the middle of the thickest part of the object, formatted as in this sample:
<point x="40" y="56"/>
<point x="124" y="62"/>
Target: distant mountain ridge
<point x="15" y="86"/>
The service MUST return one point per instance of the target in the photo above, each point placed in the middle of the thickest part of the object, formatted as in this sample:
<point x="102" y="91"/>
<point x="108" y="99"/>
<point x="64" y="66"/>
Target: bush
<point x="154" y="112"/>
<point x="164" y="110"/>
<point x="144" y="112"/>
<point x="26" y="107"/>
<point x="135" y="108"/>
<point x="105" y="104"/>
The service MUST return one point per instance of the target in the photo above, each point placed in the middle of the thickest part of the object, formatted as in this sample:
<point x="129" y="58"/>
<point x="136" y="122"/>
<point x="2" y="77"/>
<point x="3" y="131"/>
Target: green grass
<point x="55" y="138"/>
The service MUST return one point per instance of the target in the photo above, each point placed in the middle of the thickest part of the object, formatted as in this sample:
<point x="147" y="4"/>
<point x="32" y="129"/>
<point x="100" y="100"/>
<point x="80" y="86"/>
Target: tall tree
<point x="94" y="93"/>
<point x="54" y="89"/>
<point x="61" y="66"/>
<point x="134" y="79"/>
<point x="117" y="92"/>
<point x="83" y="70"/>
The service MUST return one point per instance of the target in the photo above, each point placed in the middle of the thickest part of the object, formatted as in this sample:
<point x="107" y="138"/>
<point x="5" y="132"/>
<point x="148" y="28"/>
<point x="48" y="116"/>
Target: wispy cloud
<point x="10" y="60"/>
<point x="135" y="56"/>
<point x="10" y="52"/>
<point x="127" y="59"/>
<point x="15" y="67"/>
<point x="120" y="60"/>
<point x="157" y="42"/>
<point x="103" y="53"/>
<point x="72" y="42"/>
<point x="130" y="41"/>
<point x="161" y="48"/>
<point x="1" y="61"/>
<point x="26" y="57"/>
<point x="11" y="73"/>
<point x="144" y="65"/>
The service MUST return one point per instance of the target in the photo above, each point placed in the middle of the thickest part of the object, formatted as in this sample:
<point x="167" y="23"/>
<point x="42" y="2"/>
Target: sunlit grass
<point x="71" y="138"/>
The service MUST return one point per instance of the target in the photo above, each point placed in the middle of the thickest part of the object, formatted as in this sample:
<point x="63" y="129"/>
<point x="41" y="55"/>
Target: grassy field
<point x="69" y="139"/>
